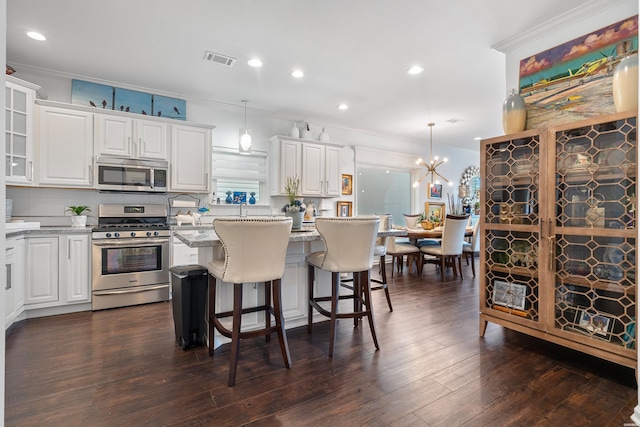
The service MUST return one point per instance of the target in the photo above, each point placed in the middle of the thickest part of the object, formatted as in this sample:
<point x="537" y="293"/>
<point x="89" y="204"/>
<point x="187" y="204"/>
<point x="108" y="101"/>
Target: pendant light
<point x="432" y="165"/>
<point x="244" y="145"/>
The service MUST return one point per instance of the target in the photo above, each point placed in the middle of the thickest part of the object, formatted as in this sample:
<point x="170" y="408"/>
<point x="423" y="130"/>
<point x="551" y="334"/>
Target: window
<point x="239" y="172"/>
<point x="383" y="190"/>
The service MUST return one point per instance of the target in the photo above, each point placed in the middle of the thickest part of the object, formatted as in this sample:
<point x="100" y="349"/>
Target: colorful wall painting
<point x="573" y="81"/>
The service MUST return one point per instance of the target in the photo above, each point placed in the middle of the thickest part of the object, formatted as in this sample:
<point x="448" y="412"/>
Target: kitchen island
<point x="294" y="282"/>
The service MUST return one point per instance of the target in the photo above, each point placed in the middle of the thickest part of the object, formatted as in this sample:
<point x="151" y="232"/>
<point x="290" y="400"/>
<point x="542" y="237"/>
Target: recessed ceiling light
<point x="343" y="107"/>
<point x="416" y="69"/>
<point x="36" y="36"/>
<point x="477" y="138"/>
<point x="297" y="73"/>
<point x="254" y="62"/>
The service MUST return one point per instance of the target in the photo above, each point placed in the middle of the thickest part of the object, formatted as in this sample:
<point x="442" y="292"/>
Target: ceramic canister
<point x="514" y="113"/>
<point x="625" y="84"/>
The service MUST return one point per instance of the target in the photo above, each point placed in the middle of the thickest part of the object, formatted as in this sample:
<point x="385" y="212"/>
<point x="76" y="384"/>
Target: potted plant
<point x="424" y="221"/>
<point x="78" y="219"/>
<point x="294" y="208"/>
<point x="476" y="208"/>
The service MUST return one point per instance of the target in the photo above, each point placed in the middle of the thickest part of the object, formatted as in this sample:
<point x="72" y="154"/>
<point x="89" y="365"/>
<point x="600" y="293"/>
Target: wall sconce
<point x="244" y="145"/>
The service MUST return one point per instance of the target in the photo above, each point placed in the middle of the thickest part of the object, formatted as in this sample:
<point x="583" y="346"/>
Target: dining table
<point x="415" y="234"/>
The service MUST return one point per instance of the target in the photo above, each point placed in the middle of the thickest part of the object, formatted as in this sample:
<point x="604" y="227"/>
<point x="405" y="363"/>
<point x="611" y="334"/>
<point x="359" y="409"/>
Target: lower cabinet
<point x="14" y="287"/>
<point x="57" y="270"/>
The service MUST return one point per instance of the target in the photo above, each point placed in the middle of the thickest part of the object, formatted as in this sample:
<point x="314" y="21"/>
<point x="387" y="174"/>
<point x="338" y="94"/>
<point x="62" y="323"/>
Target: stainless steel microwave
<point x="131" y="175"/>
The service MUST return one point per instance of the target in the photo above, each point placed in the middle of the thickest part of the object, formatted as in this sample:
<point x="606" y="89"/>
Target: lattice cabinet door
<point x="593" y="235"/>
<point x="513" y="206"/>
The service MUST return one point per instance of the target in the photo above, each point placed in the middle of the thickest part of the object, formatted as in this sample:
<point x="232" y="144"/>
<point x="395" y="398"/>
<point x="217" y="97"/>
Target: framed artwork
<point x="239" y="197"/>
<point x="435" y="191"/>
<point x="91" y="94"/>
<point x="512" y="295"/>
<point x="173" y="108"/>
<point x="347" y="184"/>
<point x="345" y="209"/>
<point x="132" y="101"/>
<point x="434" y="211"/>
<point x="573" y="81"/>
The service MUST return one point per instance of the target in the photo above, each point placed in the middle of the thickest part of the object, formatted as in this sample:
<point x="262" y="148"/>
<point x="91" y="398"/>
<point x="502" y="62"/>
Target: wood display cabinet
<point x="558" y="248"/>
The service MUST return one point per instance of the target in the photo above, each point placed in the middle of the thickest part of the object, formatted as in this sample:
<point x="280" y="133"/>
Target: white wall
<point x="3" y="276"/>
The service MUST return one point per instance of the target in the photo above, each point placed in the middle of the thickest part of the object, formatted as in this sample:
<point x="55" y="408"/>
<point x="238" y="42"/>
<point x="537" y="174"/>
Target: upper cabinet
<point x="65" y="147"/>
<point x="130" y="138"/>
<point x="317" y="164"/>
<point x="190" y="161"/>
<point x="20" y="97"/>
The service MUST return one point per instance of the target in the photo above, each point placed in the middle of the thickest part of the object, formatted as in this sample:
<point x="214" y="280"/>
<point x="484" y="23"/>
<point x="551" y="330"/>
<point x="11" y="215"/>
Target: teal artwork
<point x="132" y="101"/>
<point x="91" y="94"/>
<point x="173" y="108"/>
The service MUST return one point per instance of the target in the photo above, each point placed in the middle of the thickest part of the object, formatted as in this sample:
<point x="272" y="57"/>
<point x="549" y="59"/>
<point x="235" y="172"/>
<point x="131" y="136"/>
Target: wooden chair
<point x="242" y="263"/>
<point x="397" y="251"/>
<point x="450" y="250"/>
<point x="349" y="247"/>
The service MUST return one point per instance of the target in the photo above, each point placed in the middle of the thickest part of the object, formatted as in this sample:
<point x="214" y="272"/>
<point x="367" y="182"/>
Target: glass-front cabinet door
<point x="18" y="132"/>
<point x="593" y="236"/>
<point x="512" y="220"/>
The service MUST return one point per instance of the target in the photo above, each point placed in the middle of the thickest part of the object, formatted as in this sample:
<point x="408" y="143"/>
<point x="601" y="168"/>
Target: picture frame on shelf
<point x="434" y="211"/>
<point x="347" y="184"/>
<point x="435" y="191"/>
<point x="508" y="294"/>
<point x="593" y="323"/>
<point x="239" y="197"/>
<point x="345" y="209"/>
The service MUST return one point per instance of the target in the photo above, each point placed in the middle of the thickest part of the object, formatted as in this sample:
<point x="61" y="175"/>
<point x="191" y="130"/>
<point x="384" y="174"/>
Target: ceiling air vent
<point x="219" y="59"/>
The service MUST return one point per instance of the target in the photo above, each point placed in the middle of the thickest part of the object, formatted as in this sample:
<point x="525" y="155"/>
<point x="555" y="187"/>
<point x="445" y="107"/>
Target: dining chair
<point x="398" y="250"/>
<point x="242" y="263"/>
<point x="349" y="244"/>
<point x="412" y="221"/>
<point x="470" y="249"/>
<point x="450" y="249"/>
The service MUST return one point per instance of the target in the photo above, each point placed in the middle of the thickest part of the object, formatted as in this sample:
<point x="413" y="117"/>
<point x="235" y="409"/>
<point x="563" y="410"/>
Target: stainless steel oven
<point x="130" y="256"/>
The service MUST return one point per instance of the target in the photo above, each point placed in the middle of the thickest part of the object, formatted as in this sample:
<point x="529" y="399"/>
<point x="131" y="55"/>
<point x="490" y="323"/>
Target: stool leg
<point x="310" y="276"/>
<point x="366" y="287"/>
<point x="473" y="263"/>
<point x="335" y="289"/>
<point x="357" y="302"/>
<point x="459" y="265"/>
<point x="235" y="334"/>
<point x="212" y="311"/>
<point x="277" y="312"/>
<point x="384" y="281"/>
<point x="267" y="314"/>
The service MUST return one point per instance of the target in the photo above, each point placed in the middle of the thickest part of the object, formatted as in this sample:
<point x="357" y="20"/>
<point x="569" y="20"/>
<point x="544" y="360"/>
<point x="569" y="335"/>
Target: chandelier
<point x="434" y="162"/>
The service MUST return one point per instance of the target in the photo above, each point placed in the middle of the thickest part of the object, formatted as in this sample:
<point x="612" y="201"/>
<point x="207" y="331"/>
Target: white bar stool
<point x="349" y="246"/>
<point x="243" y="263"/>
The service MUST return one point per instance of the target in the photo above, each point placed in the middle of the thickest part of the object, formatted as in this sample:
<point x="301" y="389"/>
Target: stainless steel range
<point x="130" y="256"/>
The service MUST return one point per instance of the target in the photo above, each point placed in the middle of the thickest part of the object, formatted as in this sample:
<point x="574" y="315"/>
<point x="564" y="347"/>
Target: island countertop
<point x="208" y="237"/>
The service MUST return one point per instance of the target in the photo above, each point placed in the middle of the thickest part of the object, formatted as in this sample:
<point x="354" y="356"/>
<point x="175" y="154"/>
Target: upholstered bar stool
<point x="380" y="252"/>
<point x="349" y="245"/>
<point x="243" y="263"/>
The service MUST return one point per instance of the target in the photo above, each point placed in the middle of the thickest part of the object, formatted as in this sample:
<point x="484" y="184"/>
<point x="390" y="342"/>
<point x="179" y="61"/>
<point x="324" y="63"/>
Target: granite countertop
<point x="207" y="238"/>
<point x="15" y="232"/>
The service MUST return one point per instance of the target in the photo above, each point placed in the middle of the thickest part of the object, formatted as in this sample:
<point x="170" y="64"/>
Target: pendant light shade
<point x="244" y="145"/>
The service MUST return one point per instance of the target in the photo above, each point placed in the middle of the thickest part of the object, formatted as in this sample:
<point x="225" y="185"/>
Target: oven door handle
<point x="129" y="242"/>
<point x="130" y="290"/>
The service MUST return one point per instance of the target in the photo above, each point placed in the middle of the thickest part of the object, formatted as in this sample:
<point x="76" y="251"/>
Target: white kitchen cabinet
<point x="65" y="147"/>
<point x="181" y="254"/>
<point x="42" y="279"/>
<point x="286" y="162"/>
<point x="130" y="138"/>
<point x="320" y="170"/>
<point x="190" y="161"/>
<point x="14" y="287"/>
<point x="19" y="140"/>
<point x="75" y="274"/>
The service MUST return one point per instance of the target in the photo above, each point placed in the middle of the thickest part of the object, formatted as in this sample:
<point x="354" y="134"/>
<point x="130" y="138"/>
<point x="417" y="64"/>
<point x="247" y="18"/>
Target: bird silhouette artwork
<point x="144" y="113"/>
<point x="93" y="104"/>
<point x="121" y="107"/>
<point x="159" y="113"/>
<point x="176" y="110"/>
<point x="104" y="103"/>
<point x="127" y="109"/>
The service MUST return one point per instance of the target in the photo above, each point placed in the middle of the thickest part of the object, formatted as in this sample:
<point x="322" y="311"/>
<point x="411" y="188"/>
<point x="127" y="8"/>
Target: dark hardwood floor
<point x="123" y="367"/>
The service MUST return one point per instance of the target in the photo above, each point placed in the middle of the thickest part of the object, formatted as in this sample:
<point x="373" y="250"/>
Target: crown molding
<point x="584" y="11"/>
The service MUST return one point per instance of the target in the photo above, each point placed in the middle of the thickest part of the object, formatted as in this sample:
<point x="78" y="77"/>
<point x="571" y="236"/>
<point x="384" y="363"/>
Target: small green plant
<point x="292" y="188"/>
<point x="78" y="210"/>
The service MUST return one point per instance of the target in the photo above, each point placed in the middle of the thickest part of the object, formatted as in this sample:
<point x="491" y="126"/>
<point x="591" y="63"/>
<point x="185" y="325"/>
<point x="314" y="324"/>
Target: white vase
<point x="78" y="221"/>
<point x="294" y="132"/>
<point x="514" y="114"/>
<point x="324" y="136"/>
<point x="625" y="84"/>
<point x="306" y="134"/>
<point x="297" y="219"/>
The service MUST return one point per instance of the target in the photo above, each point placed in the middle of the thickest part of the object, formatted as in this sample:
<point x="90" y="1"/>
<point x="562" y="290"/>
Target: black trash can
<point x="189" y="288"/>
